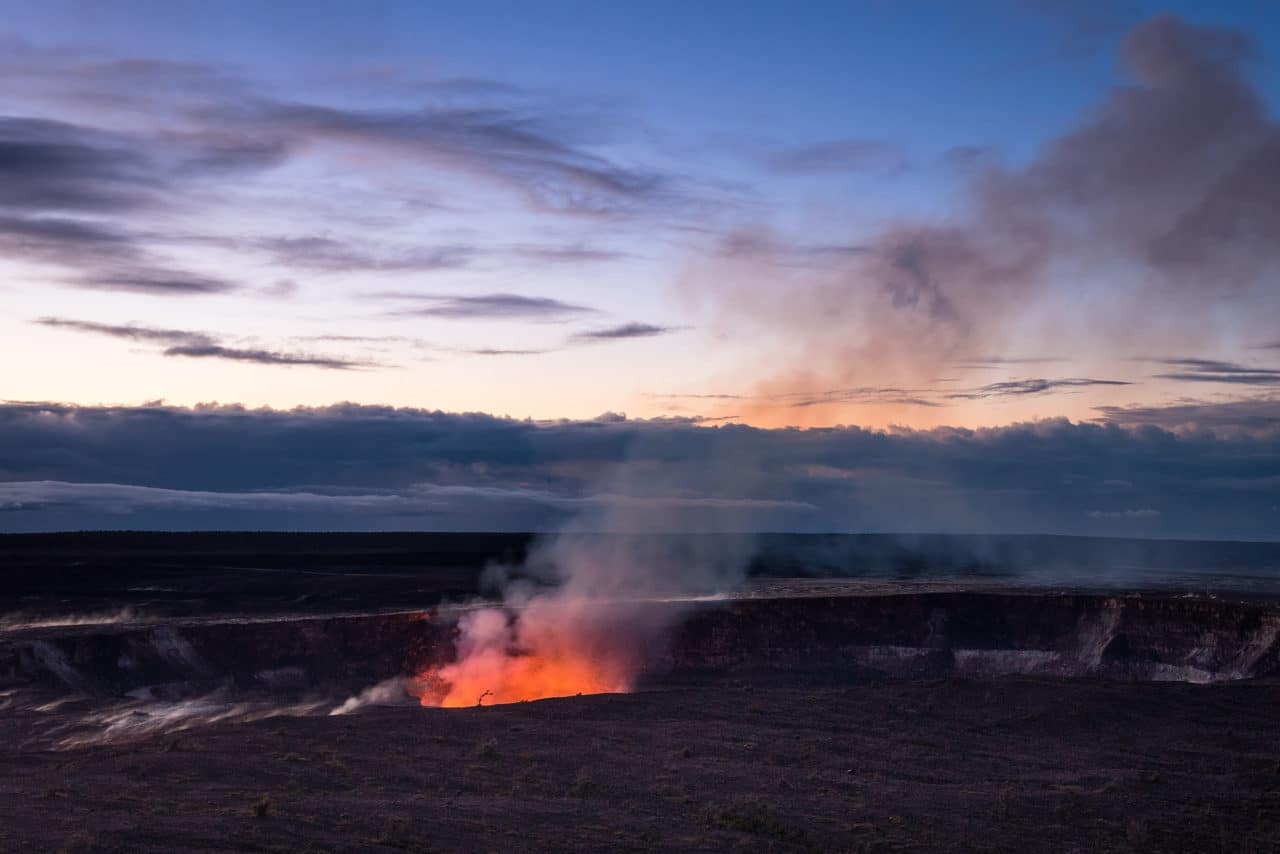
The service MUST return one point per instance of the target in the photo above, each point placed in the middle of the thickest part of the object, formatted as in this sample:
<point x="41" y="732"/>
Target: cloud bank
<point x="1138" y="473"/>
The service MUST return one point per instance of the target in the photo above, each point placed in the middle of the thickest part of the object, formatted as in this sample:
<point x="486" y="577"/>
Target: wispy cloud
<point x="201" y="345"/>
<point x="498" y="351"/>
<point x="331" y="255"/>
<point x="1016" y="388"/>
<point x="540" y="155"/>
<point x="262" y="357"/>
<point x="497" y="306"/>
<point x="926" y="396"/>
<point x="1258" y="416"/>
<point x="160" y="283"/>
<point x="131" y="332"/>
<point x="1213" y="371"/>
<point x="625" y="330"/>
<point x="561" y="254"/>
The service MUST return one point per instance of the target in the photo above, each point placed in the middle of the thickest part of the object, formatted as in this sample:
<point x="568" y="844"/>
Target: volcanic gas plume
<point x="596" y="629"/>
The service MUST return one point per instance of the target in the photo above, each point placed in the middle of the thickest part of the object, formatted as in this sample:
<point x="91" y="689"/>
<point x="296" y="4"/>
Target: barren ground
<point x="744" y="761"/>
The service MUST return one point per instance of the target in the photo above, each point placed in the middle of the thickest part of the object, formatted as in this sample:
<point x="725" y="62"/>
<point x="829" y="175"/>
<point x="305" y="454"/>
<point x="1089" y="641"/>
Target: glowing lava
<point x="552" y="647"/>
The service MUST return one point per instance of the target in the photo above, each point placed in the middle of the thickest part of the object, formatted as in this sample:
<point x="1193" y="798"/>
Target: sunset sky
<point x="926" y="223"/>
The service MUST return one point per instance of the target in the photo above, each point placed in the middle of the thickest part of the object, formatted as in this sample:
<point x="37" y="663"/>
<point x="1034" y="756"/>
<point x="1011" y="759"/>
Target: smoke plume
<point x="1145" y="226"/>
<point x="593" y="605"/>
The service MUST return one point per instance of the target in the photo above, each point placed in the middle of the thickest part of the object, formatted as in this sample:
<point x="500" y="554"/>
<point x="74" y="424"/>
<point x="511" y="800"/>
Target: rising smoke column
<point x="613" y="584"/>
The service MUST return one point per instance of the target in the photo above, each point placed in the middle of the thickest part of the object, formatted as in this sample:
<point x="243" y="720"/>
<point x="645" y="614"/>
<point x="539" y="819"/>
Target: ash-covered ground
<point x="256" y="693"/>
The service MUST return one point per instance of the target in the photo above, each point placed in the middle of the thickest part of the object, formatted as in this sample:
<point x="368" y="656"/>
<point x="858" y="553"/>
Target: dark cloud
<point x="1015" y="388"/>
<point x="64" y="242"/>
<point x="52" y="166"/>
<point x="262" y="357"/>
<point x="1256" y="416"/>
<point x="65" y="189"/>
<point x="378" y="467"/>
<point x="75" y="196"/>
<point x="159" y="283"/>
<point x="839" y="156"/>
<point x="1214" y="371"/>
<point x="500" y="306"/>
<point x="201" y="345"/>
<point x="861" y="394"/>
<point x="626" y="330"/>
<point x="130" y="332"/>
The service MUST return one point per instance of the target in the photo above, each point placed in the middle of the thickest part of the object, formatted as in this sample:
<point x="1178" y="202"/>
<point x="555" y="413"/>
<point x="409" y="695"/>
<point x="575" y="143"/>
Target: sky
<point x="855" y="254"/>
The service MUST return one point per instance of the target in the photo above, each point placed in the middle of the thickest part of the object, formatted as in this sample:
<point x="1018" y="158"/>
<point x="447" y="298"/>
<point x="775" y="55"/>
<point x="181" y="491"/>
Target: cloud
<point x="52" y="166"/>
<point x="201" y="345"/>
<point x="262" y="357"/>
<point x="497" y="351"/>
<point x="330" y="255"/>
<point x="1257" y="416"/>
<point x="96" y="195"/>
<point x="1214" y="371"/>
<point x="557" y="254"/>
<point x="394" y="469"/>
<point x="131" y="332"/>
<point x="927" y="396"/>
<point x="65" y="187"/>
<point x="544" y="157"/>
<point x="159" y="283"/>
<point x="838" y="157"/>
<point x="1014" y="388"/>
<point x="498" y="306"/>
<point x="626" y="330"/>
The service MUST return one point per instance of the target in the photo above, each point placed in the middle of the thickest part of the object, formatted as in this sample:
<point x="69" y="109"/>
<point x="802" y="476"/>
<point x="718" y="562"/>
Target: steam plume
<point x="1156" y="205"/>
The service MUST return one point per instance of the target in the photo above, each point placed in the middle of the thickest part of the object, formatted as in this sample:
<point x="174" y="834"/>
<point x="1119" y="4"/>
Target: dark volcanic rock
<point x="973" y="634"/>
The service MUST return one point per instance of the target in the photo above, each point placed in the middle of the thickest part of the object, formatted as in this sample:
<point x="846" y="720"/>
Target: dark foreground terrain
<point x="729" y="763"/>
<point x="174" y="692"/>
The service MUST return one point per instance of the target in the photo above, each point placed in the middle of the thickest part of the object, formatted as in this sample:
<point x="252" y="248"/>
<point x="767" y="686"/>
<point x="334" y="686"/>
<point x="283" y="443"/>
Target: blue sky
<point x="922" y="216"/>
<point x="820" y="126"/>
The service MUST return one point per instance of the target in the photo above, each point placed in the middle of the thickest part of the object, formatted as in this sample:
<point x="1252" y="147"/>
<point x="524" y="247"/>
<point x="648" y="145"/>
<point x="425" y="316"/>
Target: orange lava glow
<point x="516" y="678"/>
<point x="545" y="652"/>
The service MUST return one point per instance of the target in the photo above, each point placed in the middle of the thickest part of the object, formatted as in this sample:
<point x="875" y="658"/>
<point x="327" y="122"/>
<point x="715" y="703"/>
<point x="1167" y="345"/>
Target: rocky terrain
<point x="951" y="711"/>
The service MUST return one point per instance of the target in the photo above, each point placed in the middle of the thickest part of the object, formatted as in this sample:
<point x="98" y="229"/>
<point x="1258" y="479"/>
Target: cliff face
<point x="987" y="634"/>
<point x="966" y="634"/>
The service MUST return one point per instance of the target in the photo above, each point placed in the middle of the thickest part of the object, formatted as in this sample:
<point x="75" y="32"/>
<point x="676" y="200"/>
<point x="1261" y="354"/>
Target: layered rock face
<point x="990" y="634"/>
<point x="920" y="635"/>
